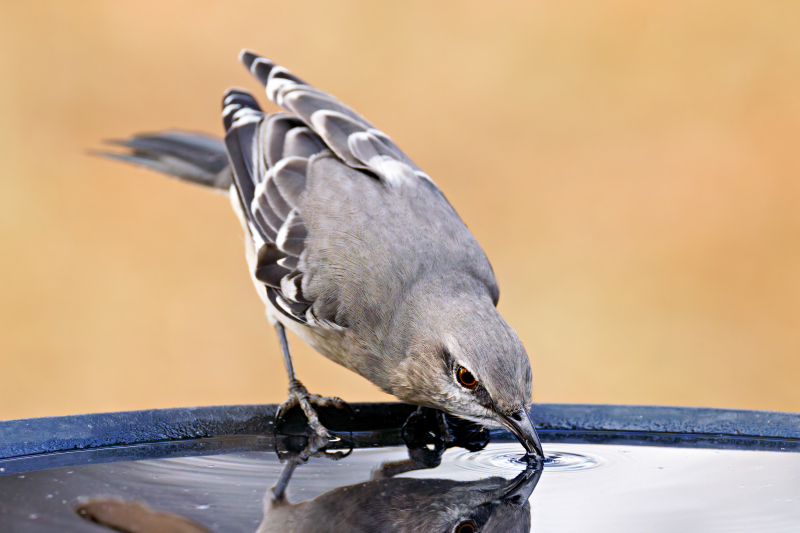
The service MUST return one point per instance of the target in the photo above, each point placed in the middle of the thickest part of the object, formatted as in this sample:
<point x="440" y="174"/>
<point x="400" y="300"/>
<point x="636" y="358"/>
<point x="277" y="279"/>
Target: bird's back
<point x="369" y="244"/>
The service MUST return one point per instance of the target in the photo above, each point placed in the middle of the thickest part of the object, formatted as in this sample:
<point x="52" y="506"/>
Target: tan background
<point x="631" y="168"/>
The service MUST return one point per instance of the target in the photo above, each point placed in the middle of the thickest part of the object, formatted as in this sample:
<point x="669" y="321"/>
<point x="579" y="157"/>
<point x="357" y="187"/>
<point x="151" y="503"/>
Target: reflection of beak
<point x="521" y="487"/>
<point x="521" y="426"/>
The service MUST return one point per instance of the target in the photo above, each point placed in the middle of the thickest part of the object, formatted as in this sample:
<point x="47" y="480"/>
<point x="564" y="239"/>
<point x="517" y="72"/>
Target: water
<point x="582" y="487"/>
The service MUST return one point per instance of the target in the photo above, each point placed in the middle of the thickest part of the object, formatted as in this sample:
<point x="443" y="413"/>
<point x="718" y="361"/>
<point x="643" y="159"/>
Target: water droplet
<point x="202" y="506"/>
<point x="33" y="516"/>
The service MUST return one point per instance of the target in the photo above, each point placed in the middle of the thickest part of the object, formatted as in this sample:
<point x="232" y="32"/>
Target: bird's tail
<point x="191" y="157"/>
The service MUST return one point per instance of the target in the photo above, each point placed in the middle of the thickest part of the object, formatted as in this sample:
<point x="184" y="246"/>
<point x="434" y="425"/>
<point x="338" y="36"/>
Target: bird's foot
<point x="299" y="395"/>
<point x="427" y="435"/>
<point x="430" y="431"/>
<point x="426" y="426"/>
<point x="298" y="449"/>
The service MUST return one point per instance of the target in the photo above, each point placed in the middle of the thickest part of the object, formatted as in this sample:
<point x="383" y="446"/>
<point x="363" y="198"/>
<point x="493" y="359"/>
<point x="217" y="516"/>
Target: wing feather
<point x="270" y="156"/>
<point x="345" y="132"/>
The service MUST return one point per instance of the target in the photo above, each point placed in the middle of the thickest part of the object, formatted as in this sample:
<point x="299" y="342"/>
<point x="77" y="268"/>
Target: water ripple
<point x="509" y="458"/>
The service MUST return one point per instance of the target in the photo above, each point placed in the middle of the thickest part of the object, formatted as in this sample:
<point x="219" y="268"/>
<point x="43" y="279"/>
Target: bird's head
<point x="464" y="359"/>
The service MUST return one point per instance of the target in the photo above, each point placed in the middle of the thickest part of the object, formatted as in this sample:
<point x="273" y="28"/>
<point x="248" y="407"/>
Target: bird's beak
<point x="521" y="426"/>
<point x="521" y="487"/>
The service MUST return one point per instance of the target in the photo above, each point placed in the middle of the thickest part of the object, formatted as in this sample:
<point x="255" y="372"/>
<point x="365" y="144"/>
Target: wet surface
<point x="581" y="487"/>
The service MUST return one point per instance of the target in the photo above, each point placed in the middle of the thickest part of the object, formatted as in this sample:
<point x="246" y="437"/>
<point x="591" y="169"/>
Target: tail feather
<point x="193" y="157"/>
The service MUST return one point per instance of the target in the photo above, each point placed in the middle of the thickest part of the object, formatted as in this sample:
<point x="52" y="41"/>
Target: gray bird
<point x="356" y="250"/>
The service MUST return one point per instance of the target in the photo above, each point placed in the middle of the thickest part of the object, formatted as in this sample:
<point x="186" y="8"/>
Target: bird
<point x="352" y="247"/>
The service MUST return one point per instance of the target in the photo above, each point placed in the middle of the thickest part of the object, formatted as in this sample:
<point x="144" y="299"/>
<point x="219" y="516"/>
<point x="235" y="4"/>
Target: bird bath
<point x="608" y="468"/>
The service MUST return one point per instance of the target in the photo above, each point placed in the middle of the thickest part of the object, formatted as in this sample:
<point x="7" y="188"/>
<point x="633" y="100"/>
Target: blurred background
<point x="631" y="168"/>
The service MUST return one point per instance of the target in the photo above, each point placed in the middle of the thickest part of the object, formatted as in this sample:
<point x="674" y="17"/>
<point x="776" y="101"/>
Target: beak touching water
<point x="521" y="426"/>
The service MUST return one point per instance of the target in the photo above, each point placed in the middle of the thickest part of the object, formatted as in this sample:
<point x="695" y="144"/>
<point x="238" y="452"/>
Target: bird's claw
<point x="310" y="444"/>
<point x="316" y="447"/>
<point x="299" y="395"/>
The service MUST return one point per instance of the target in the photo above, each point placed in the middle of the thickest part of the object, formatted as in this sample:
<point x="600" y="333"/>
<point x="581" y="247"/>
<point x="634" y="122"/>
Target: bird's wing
<point x="270" y="156"/>
<point x="349" y="135"/>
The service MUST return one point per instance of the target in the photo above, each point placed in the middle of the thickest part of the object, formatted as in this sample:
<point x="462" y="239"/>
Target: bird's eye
<point x="465" y="527"/>
<point x="467" y="380"/>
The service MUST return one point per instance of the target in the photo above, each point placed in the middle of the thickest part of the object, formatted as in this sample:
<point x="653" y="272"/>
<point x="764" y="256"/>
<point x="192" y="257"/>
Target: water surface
<point x="583" y="487"/>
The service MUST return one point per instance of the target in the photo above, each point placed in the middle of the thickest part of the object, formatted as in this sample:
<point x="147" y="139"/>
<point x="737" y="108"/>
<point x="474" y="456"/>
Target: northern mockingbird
<point x="356" y="250"/>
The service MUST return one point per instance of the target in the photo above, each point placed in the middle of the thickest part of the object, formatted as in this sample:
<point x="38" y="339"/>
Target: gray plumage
<point x="356" y="250"/>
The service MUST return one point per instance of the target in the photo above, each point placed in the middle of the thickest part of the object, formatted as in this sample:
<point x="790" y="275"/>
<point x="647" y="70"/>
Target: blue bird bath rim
<point x="48" y="442"/>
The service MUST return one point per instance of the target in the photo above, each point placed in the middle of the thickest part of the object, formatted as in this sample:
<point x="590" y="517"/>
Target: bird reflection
<point x="386" y="503"/>
<point x="397" y="504"/>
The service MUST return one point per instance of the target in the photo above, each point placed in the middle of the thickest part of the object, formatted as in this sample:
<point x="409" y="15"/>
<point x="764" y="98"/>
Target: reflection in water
<point x="386" y="503"/>
<point x="396" y="504"/>
<point x="389" y="503"/>
<point x="586" y="487"/>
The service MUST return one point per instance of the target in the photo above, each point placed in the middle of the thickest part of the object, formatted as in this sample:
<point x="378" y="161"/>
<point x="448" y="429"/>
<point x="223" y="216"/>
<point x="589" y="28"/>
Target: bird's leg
<point x="278" y="493"/>
<point x="390" y="469"/>
<point x="299" y="395"/>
